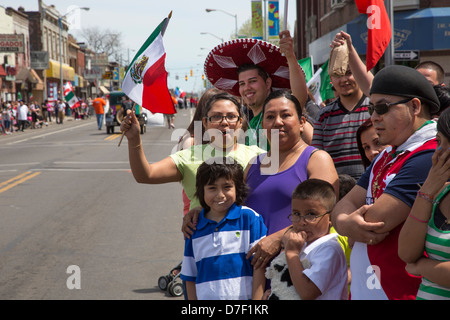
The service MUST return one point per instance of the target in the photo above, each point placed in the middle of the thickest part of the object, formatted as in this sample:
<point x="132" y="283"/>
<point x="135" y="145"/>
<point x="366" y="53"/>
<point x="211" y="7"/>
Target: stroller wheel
<point x="175" y="289"/>
<point x="163" y="282"/>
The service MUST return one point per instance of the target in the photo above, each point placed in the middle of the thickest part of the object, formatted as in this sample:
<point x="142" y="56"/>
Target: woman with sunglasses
<point x="222" y="121"/>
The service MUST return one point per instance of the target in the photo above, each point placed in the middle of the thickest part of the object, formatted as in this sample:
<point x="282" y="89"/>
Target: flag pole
<point x="163" y="30"/>
<point x="286" y="6"/>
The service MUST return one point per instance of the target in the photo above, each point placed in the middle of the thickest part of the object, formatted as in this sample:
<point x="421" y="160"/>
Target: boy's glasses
<point x="382" y="108"/>
<point x="310" y="217"/>
<point x="231" y="118"/>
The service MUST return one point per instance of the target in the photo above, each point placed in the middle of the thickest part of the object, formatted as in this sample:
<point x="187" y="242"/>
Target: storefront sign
<point x="12" y="43"/>
<point x="39" y="60"/>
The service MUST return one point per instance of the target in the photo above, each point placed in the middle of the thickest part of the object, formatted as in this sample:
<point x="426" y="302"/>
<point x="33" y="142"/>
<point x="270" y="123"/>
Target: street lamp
<point x="221" y="39"/>
<point x="60" y="48"/>
<point x="230" y="14"/>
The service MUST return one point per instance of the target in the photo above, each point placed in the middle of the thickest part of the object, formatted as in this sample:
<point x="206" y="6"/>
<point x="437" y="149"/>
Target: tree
<point x="106" y="41"/>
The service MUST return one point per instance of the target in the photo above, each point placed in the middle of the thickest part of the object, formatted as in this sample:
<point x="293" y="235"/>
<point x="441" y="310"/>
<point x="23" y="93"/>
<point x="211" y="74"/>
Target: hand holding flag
<point x="131" y="127"/>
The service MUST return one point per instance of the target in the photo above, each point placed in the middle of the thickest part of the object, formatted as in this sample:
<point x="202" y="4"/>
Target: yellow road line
<point x="12" y="185"/>
<point x="112" y="137"/>
<point x="15" y="178"/>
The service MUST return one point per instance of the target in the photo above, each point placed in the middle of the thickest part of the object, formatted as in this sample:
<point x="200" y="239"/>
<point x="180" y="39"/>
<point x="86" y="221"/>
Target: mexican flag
<point x="145" y="81"/>
<point x="308" y="67"/>
<point x="70" y="97"/>
<point x="320" y="85"/>
<point x="379" y="29"/>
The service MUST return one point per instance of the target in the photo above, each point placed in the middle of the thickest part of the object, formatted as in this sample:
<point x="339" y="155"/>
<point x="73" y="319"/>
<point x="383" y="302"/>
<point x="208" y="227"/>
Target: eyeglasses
<point x="382" y="108"/>
<point x="231" y="118"/>
<point x="310" y="217"/>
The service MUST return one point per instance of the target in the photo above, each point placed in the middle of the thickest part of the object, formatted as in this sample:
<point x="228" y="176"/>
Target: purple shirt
<point x="271" y="195"/>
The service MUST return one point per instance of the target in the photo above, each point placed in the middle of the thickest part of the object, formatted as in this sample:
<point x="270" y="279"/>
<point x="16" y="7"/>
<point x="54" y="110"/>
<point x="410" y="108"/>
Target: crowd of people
<point x="17" y="116"/>
<point x="349" y="202"/>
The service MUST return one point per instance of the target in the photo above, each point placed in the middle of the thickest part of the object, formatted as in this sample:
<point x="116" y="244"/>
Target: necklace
<point x="382" y="168"/>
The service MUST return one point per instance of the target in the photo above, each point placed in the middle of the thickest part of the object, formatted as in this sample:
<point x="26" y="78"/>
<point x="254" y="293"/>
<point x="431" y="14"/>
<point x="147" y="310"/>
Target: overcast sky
<point x="136" y="19"/>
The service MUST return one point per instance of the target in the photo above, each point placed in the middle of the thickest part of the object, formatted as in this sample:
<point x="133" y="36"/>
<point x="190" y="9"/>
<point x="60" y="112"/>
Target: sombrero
<point x="223" y="61"/>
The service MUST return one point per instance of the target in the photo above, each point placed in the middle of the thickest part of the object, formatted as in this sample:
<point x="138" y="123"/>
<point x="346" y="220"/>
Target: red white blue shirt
<point x="377" y="271"/>
<point x="215" y="255"/>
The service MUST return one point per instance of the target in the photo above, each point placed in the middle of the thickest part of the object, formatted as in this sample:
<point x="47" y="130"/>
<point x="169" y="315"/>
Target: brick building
<point x="420" y="26"/>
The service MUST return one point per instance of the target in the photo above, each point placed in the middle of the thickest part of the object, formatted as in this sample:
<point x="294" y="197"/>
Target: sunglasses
<point x="382" y="108"/>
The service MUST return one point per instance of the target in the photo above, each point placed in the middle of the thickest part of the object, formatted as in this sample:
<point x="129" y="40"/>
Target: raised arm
<point x="363" y="77"/>
<point x="159" y="172"/>
<point x="297" y="77"/>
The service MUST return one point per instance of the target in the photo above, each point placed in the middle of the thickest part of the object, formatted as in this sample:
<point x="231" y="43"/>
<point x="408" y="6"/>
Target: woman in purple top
<point x="275" y="175"/>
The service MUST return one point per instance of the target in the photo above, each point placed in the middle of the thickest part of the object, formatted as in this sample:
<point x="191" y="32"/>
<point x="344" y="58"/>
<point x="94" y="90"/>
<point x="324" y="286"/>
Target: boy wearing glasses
<point x="313" y="261"/>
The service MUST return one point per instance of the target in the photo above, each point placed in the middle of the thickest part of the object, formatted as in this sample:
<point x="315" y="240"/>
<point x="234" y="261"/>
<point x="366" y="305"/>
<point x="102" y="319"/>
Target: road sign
<point x="409" y="55"/>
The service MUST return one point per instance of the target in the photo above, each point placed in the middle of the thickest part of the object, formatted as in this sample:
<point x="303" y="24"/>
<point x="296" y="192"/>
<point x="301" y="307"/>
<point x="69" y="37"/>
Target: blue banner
<point x="274" y="19"/>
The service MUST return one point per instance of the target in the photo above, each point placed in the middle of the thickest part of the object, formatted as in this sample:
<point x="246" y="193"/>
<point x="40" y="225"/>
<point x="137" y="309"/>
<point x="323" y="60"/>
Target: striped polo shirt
<point x="437" y="247"/>
<point x="215" y="256"/>
<point x="335" y="132"/>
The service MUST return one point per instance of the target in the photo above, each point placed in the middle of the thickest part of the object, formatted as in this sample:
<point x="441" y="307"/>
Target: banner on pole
<point x="257" y="20"/>
<point x="273" y="16"/>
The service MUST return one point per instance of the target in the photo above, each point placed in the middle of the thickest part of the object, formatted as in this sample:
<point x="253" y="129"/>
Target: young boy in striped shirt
<point x="214" y="264"/>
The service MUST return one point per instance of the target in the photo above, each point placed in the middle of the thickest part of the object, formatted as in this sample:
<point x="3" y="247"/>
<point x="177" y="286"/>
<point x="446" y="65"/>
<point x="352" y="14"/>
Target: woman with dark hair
<point x="274" y="176"/>
<point x="194" y="135"/>
<point x="368" y="145"/>
<point x="443" y="94"/>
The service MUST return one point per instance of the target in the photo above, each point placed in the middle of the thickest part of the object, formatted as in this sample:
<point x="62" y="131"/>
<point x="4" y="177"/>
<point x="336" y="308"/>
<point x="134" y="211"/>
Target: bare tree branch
<point x="104" y="41"/>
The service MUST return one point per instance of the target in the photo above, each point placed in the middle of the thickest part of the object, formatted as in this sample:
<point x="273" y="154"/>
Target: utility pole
<point x="389" y="54"/>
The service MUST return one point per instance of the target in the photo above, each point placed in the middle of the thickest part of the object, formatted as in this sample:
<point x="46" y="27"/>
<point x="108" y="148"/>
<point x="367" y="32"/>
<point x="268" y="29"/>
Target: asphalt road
<point x="74" y="224"/>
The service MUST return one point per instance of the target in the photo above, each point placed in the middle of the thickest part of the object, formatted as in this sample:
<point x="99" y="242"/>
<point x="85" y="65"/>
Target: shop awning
<point x="54" y="71"/>
<point x="423" y="30"/>
<point x="103" y="89"/>
<point x="36" y="80"/>
<point x="2" y="72"/>
<point x="22" y="75"/>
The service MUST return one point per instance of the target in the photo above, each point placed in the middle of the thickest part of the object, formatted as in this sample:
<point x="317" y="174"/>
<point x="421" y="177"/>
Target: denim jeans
<point x="99" y="121"/>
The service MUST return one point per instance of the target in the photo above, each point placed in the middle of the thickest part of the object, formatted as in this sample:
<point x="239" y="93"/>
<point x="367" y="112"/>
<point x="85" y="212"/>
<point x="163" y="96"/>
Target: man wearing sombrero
<point x="251" y="69"/>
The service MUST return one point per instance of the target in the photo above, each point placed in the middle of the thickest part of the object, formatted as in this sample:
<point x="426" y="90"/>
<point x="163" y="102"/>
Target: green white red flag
<point x="146" y="79"/>
<point x="70" y="97"/>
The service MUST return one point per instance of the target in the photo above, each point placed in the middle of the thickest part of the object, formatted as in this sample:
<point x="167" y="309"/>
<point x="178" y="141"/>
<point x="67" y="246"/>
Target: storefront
<point x="54" y="78"/>
<point x="424" y="31"/>
<point x="29" y="85"/>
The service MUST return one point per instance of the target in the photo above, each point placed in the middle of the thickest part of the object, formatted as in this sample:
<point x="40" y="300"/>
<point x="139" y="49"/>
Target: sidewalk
<point x="69" y="122"/>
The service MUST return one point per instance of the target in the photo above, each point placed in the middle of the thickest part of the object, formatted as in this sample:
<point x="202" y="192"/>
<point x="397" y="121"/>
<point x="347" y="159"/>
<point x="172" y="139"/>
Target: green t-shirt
<point x="188" y="161"/>
<point x="254" y="133"/>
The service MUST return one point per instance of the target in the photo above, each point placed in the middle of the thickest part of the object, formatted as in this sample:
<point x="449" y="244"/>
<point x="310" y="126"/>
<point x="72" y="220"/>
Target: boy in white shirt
<point x="315" y="261"/>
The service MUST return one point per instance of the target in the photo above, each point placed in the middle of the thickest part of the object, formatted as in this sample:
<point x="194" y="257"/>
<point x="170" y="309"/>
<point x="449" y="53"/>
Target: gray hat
<point x="404" y="81"/>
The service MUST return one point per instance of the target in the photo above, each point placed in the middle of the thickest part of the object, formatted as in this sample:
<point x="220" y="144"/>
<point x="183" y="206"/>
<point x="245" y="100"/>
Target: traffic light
<point x="203" y="77"/>
<point x="192" y="73"/>
<point x="186" y="78"/>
